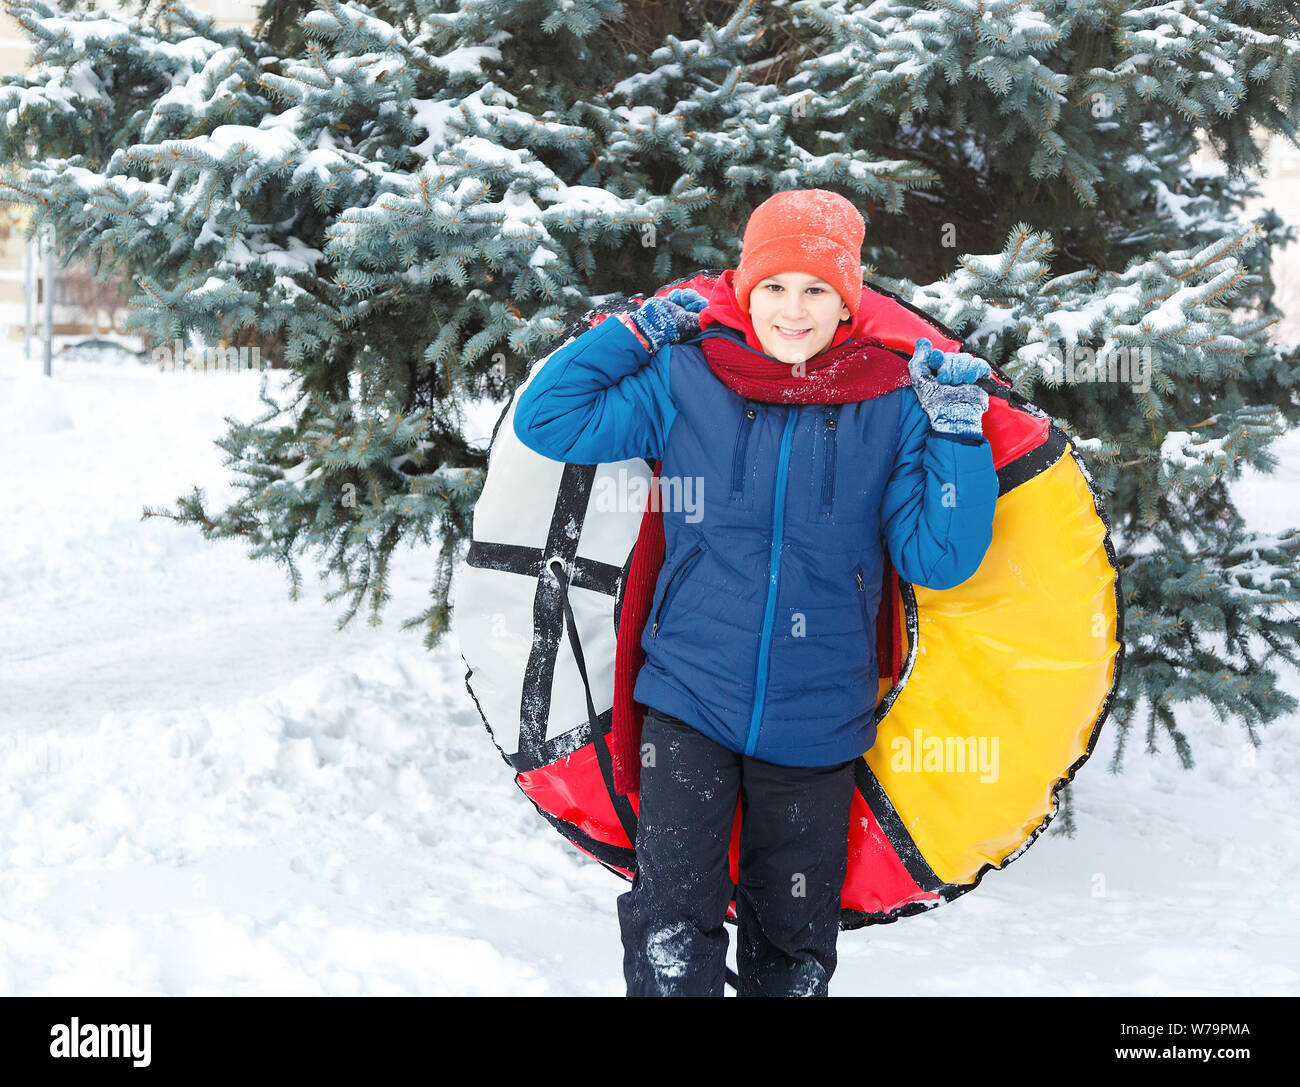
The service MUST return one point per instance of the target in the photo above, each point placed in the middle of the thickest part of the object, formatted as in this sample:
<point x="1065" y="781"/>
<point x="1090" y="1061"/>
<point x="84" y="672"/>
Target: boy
<point x="760" y="677"/>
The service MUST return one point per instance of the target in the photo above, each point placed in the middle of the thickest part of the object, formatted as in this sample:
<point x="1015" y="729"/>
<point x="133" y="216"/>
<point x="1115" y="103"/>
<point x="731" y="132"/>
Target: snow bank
<point x="205" y="788"/>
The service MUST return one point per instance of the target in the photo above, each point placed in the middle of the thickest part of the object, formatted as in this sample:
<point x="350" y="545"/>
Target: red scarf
<point x="867" y="357"/>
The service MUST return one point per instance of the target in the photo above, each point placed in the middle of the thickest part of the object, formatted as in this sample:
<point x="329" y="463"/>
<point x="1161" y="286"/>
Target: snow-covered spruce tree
<point x="409" y="198"/>
<point x="415" y="196"/>
<point x="412" y="198"/>
<point x="1059" y="137"/>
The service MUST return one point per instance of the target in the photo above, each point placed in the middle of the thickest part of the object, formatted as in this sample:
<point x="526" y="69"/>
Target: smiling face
<point x="795" y="315"/>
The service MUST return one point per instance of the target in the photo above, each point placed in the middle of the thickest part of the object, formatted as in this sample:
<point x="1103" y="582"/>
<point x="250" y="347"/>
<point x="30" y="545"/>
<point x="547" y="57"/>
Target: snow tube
<point x="996" y="696"/>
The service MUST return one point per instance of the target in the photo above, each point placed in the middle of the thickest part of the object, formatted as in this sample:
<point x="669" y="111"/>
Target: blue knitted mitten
<point x="669" y="320"/>
<point x="950" y="398"/>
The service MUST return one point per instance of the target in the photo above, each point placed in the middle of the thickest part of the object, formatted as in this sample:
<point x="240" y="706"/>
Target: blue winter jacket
<point x="762" y="629"/>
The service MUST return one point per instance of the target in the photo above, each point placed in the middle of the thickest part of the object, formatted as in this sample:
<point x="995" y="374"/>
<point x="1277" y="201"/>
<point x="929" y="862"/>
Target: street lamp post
<point x="49" y="301"/>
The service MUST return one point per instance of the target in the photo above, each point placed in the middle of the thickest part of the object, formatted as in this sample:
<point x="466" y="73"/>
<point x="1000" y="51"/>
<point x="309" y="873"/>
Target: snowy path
<point x="205" y="788"/>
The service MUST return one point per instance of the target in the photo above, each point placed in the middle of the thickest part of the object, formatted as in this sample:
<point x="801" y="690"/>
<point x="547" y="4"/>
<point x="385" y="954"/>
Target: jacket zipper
<point x="773" y="576"/>
<point x="862" y="597"/>
<point x="828" y="479"/>
<point x="742" y="443"/>
<point x="697" y="550"/>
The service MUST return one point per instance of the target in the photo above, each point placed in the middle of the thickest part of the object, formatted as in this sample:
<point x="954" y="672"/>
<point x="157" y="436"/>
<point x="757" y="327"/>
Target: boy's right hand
<point x="669" y="320"/>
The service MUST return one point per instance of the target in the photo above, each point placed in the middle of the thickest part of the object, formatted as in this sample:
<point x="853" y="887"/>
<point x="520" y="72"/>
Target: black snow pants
<point x="793" y="857"/>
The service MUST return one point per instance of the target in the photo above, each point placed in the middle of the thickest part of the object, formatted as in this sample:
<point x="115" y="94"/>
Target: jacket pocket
<point x="828" y="468"/>
<point x="862" y="597"/>
<point x="675" y="582"/>
<point x="747" y="418"/>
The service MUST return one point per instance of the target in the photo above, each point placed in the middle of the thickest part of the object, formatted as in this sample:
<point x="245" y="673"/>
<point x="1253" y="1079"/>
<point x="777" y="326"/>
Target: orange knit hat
<point x="803" y="230"/>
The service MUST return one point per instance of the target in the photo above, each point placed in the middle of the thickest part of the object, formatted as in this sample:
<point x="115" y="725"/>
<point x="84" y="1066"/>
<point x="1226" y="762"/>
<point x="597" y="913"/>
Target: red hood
<point x="880" y="319"/>
<point x="723" y="309"/>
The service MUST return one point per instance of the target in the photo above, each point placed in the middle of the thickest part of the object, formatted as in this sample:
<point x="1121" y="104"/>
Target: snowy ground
<point x="205" y="788"/>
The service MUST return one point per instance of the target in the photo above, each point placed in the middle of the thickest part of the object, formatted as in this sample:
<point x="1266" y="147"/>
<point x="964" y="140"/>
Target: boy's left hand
<point x="950" y="397"/>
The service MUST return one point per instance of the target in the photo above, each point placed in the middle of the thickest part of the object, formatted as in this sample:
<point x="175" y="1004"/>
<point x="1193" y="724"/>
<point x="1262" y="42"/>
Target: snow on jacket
<point x="762" y="630"/>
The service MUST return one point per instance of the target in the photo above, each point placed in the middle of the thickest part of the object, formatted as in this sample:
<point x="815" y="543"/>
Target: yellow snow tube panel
<point x="972" y="747"/>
